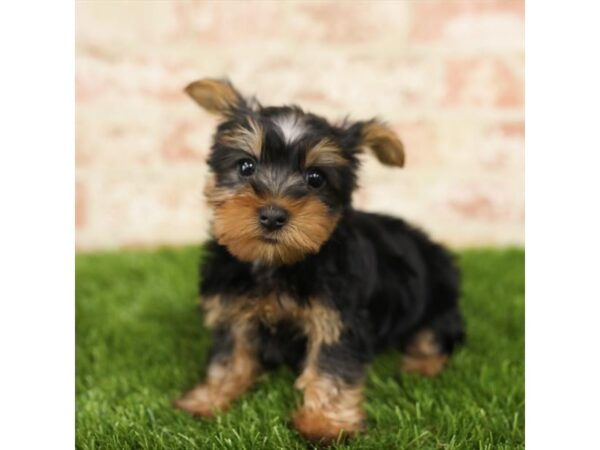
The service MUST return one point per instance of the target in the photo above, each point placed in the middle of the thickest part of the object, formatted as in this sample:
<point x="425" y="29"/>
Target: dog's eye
<point x="315" y="178"/>
<point x="246" y="167"/>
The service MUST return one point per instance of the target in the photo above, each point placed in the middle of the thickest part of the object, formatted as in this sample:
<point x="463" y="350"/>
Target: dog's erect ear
<point x="383" y="142"/>
<point x="216" y="96"/>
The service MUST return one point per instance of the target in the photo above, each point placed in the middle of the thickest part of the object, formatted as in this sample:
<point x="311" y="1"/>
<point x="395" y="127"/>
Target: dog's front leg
<point x="232" y="369"/>
<point x="332" y="383"/>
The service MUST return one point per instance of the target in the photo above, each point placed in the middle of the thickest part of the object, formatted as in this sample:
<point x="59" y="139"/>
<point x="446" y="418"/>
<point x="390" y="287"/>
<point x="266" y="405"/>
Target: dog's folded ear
<point x="215" y="96"/>
<point x="383" y="142"/>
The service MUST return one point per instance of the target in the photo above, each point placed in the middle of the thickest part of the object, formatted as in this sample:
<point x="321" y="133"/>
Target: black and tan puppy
<point x="296" y="276"/>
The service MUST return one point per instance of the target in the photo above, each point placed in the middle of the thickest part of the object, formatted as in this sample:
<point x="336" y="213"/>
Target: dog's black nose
<point x="272" y="217"/>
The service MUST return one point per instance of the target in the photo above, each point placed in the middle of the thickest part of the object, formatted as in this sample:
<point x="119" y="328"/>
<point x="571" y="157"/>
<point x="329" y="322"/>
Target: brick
<point x="97" y="77"/>
<point x="514" y="129"/>
<point x="502" y="148"/>
<point x="464" y="145"/>
<point x="446" y="75"/>
<point x="332" y="23"/>
<point x="290" y="22"/>
<point x="479" y="200"/>
<point x="388" y="85"/>
<point x="420" y="142"/>
<point x="80" y="205"/>
<point x="186" y="141"/>
<point x="108" y="24"/>
<point x="484" y="81"/>
<point x="144" y="208"/>
<point x="474" y="23"/>
<point x="137" y="132"/>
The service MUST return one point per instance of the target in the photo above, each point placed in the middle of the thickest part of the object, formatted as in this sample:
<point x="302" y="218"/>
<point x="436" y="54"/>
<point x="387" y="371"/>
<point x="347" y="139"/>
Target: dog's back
<point x="416" y="283"/>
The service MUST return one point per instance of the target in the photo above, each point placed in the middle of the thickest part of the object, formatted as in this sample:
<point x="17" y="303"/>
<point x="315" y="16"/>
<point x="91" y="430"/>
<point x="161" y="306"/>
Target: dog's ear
<point x="382" y="141"/>
<point x="215" y="96"/>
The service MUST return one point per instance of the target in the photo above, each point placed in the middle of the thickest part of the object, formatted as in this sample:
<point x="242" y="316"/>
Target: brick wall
<point x="447" y="75"/>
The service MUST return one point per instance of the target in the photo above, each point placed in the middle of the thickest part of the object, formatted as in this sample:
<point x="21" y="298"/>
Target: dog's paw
<point x="315" y="426"/>
<point x="424" y="355"/>
<point x="200" y="402"/>
<point x="429" y="366"/>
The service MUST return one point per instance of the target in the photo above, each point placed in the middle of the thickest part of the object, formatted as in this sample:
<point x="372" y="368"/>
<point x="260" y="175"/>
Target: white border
<point x="37" y="224"/>
<point x="562" y="225"/>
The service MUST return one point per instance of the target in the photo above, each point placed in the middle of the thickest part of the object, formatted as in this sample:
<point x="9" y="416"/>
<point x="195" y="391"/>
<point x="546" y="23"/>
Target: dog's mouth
<point x="237" y="227"/>
<point x="269" y="239"/>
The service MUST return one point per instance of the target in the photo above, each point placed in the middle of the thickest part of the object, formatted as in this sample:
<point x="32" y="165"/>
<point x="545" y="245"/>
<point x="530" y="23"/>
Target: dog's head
<point x="282" y="178"/>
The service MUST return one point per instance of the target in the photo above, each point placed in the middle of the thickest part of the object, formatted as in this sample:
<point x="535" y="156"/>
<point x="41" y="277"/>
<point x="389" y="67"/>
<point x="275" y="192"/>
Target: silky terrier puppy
<point x="295" y="275"/>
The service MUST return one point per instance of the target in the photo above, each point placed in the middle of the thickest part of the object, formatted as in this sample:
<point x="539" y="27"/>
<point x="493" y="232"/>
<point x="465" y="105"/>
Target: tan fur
<point x="320" y="323"/>
<point x="322" y="326"/>
<point x="226" y="380"/>
<point x="216" y="96"/>
<point x="384" y="143"/>
<point x="424" y="355"/>
<point x="236" y="226"/>
<point x="215" y="195"/>
<point x="269" y="310"/>
<point x="249" y="140"/>
<point x="331" y="410"/>
<point x="325" y="153"/>
<point x="429" y="366"/>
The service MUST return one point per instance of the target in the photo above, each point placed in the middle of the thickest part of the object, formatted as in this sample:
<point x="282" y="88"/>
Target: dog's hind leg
<point x="428" y="350"/>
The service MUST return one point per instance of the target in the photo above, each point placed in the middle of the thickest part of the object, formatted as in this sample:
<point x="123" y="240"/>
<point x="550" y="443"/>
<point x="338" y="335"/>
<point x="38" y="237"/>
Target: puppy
<point x="295" y="275"/>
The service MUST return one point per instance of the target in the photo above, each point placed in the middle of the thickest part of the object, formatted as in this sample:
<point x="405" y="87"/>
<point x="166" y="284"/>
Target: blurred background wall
<point x="447" y="75"/>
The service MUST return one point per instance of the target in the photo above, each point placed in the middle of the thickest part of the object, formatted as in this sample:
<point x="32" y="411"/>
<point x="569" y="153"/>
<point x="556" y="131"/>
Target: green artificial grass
<point x="140" y="344"/>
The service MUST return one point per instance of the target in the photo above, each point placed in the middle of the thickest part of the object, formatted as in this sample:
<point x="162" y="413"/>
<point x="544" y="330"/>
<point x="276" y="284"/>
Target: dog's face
<point x="282" y="178"/>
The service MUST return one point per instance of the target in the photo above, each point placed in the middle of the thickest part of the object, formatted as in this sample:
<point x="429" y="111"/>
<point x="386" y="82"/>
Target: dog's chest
<point x="319" y="323"/>
<point x="271" y="304"/>
<point x="275" y="308"/>
<point x="269" y="308"/>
